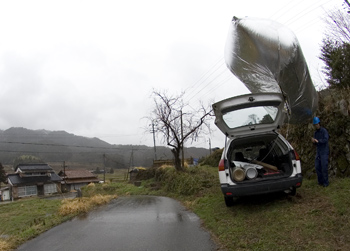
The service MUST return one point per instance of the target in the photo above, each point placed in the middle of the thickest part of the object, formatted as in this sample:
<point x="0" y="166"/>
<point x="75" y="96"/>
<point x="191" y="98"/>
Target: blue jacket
<point x="322" y="146"/>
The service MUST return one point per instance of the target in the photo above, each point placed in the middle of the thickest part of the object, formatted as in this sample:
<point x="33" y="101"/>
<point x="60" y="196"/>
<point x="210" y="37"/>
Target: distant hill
<point x="59" y="146"/>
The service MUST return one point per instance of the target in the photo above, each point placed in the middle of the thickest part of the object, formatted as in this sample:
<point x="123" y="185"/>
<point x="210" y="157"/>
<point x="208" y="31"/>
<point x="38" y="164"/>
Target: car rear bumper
<point x="262" y="187"/>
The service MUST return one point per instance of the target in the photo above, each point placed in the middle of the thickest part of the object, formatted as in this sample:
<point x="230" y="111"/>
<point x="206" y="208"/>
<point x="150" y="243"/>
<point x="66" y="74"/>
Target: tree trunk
<point x="177" y="160"/>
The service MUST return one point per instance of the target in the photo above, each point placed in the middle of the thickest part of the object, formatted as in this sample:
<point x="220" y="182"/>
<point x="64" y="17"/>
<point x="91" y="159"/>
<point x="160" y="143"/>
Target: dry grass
<point x="5" y="246"/>
<point x="186" y="165"/>
<point x="140" y="168"/>
<point x="83" y="205"/>
<point x="166" y="166"/>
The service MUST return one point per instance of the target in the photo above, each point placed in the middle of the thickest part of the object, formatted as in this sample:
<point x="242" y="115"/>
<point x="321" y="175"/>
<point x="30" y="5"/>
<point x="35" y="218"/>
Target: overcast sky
<point x="89" y="67"/>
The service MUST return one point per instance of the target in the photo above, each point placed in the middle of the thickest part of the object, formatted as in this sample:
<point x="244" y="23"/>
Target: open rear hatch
<point x="249" y="114"/>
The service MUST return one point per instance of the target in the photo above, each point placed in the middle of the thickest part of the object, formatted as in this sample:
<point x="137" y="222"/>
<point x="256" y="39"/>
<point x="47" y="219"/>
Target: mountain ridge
<point x="59" y="146"/>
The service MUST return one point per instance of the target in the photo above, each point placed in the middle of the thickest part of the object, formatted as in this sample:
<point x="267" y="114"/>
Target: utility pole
<point x="64" y="178"/>
<point x="132" y="157"/>
<point x="131" y="163"/>
<point x="64" y="172"/>
<point x="182" y="140"/>
<point x="154" y="141"/>
<point x="209" y="146"/>
<point x="104" y="168"/>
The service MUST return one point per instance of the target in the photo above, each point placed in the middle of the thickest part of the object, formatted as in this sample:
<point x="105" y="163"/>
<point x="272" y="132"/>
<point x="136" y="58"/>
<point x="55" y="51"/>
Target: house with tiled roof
<point x="74" y="179"/>
<point x="33" y="180"/>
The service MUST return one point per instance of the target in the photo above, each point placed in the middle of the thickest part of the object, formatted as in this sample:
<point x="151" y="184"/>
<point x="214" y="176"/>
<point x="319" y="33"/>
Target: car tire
<point x="229" y="201"/>
<point x="293" y="191"/>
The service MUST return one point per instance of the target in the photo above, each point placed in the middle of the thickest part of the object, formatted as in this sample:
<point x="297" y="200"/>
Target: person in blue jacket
<point x="320" y="139"/>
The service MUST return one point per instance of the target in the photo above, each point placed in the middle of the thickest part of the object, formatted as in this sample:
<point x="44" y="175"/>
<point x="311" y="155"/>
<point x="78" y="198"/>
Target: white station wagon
<point x="256" y="158"/>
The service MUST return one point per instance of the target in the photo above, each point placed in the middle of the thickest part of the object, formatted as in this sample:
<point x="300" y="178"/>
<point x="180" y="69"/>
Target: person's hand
<point x="314" y="140"/>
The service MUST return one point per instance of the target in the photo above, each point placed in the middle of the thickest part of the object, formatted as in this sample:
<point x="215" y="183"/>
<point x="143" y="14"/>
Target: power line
<point x="210" y="82"/>
<point x="286" y="6"/>
<point x="199" y="81"/>
<point x="219" y="84"/>
<point x="25" y="151"/>
<point x="55" y="145"/>
<point x="304" y="12"/>
<point x="33" y="135"/>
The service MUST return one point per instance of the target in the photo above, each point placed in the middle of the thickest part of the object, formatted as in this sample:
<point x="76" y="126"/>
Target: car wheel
<point x="229" y="201"/>
<point x="293" y="191"/>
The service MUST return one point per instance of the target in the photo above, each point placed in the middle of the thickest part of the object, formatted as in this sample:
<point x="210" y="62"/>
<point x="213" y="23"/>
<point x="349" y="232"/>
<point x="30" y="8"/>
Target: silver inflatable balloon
<point x="266" y="57"/>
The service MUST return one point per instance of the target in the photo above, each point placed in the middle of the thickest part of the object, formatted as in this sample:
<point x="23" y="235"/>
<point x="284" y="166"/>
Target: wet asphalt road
<point x="130" y="223"/>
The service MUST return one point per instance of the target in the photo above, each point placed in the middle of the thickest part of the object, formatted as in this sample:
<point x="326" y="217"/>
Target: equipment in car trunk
<point x="250" y="172"/>
<point x="244" y="170"/>
<point x="266" y="57"/>
<point x="265" y="165"/>
<point x="238" y="174"/>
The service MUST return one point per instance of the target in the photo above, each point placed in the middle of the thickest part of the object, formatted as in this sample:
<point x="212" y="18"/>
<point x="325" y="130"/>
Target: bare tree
<point x="338" y="24"/>
<point x="177" y="123"/>
<point x="335" y="48"/>
<point x="346" y="2"/>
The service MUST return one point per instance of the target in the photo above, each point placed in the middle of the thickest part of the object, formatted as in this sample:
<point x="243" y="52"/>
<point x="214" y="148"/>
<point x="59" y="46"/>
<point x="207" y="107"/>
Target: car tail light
<point x="222" y="165"/>
<point x="298" y="184"/>
<point x="297" y="157"/>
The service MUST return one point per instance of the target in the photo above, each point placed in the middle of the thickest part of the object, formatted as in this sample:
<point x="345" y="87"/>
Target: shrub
<point x="190" y="182"/>
<point x="213" y="159"/>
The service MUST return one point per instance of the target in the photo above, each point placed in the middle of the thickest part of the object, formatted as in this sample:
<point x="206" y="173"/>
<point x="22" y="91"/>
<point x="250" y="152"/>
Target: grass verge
<point x="24" y="219"/>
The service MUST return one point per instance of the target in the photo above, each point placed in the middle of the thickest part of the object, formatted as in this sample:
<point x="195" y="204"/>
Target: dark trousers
<point x="321" y="165"/>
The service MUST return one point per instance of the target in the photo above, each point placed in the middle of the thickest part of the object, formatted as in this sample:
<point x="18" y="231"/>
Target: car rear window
<point x="250" y="116"/>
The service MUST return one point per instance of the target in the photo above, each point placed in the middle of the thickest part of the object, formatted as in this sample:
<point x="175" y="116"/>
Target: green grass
<point x="24" y="219"/>
<point x="316" y="218"/>
<point x="118" y="175"/>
